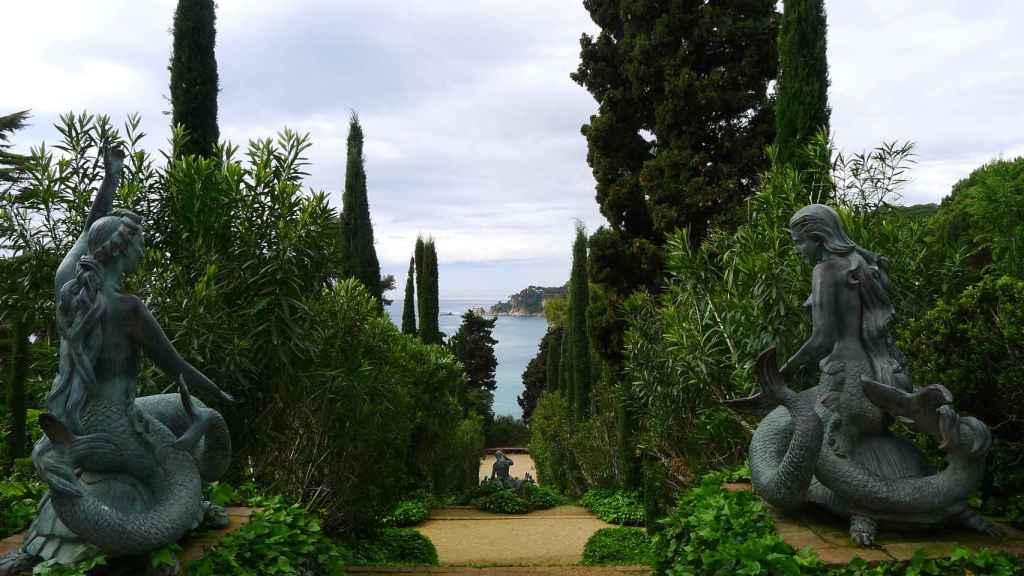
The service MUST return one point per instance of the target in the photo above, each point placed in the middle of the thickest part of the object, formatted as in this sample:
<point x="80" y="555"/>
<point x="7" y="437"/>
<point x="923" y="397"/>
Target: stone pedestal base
<point x="828" y="536"/>
<point x="192" y="547"/>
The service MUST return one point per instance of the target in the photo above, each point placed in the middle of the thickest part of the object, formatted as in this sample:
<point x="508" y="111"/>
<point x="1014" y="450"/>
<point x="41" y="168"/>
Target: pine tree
<point x="409" y="305"/>
<point x="579" y="287"/>
<point x="359" y="257"/>
<point x="11" y="164"/>
<point x="473" y="345"/>
<point x="537" y="375"/>
<point x="194" y="83"/>
<point x="683" y="119"/>
<point x="801" y="108"/>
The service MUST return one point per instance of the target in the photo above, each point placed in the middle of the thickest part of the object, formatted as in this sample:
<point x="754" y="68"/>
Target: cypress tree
<point x="430" y="331"/>
<point x="579" y="287"/>
<point x="408" y="305"/>
<point x="358" y="253"/>
<point x="194" y="76"/>
<point x="554" y="355"/>
<point x="801" y="108"/>
<point x="418" y="258"/>
<point x="565" y="365"/>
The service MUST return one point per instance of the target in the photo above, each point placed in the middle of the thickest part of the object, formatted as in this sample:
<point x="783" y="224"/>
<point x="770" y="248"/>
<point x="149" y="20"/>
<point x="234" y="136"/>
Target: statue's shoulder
<point x="130" y="305"/>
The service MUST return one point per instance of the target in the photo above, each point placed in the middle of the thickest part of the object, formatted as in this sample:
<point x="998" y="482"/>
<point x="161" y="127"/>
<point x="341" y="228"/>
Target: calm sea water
<point x="517" y="336"/>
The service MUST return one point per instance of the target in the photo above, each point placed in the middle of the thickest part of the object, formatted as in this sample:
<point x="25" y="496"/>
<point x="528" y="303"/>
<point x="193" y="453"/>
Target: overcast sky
<point x="471" y="120"/>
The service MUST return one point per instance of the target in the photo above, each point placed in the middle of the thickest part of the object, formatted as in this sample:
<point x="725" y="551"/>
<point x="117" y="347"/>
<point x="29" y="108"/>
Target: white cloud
<point x="471" y="120"/>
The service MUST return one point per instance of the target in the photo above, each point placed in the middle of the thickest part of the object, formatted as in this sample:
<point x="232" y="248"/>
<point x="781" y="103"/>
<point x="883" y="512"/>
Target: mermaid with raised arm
<point x="831" y="444"/>
<point x="125" y="473"/>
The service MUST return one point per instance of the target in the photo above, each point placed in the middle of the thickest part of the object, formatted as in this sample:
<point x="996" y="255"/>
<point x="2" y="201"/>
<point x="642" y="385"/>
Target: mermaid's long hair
<point x="80" y="310"/>
<point x="870" y="272"/>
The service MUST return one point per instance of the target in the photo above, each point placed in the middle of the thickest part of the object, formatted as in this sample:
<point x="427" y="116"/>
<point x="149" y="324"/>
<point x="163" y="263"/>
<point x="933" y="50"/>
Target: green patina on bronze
<point x="125" y="474"/>
<point x="831" y="444"/>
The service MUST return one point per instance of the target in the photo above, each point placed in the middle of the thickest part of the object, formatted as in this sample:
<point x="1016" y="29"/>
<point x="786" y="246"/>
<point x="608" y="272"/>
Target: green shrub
<point x="542" y="497"/>
<point x="973" y="343"/>
<point x="714" y="531"/>
<point x="551" y="438"/>
<point x="407" y="513"/>
<point x="618" y="546"/>
<point x="281" y="539"/>
<point x="615" y="506"/>
<point x="503" y="502"/>
<point x="393" y="546"/>
<point x="738" y="292"/>
<point x="483" y="489"/>
<point x="507" y="431"/>
<point x="244" y="273"/>
<point x="980" y="225"/>
<point x="19" y="501"/>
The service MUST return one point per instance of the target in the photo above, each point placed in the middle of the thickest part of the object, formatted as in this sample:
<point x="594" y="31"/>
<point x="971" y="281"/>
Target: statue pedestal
<point x="192" y="547"/>
<point x="828" y="536"/>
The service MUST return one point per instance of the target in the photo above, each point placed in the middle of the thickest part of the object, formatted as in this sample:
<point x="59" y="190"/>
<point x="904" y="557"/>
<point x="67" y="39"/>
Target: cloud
<point x="471" y="120"/>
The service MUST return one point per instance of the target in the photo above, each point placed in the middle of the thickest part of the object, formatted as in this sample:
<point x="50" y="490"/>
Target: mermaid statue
<point x="832" y="444"/>
<point x="125" y="474"/>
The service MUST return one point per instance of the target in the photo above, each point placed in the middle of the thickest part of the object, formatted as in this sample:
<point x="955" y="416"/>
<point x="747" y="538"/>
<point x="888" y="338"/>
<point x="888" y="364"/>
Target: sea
<point x="518" y="340"/>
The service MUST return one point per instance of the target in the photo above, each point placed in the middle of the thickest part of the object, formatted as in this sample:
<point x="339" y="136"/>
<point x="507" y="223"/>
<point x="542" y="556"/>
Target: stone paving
<point x="827" y="535"/>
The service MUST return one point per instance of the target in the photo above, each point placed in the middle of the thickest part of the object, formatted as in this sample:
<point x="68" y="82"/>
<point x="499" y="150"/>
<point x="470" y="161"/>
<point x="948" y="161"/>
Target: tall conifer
<point x="194" y="82"/>
<point x="359" y="257"/>
<point x="565" y="367"/>
<point x="419" y="257"/>
<point x="409" y="305"/>
<point x="429" y="329"/>
<point x="553" y="358"/>
<point x="801" y="107"/>
<point x="579" y="287"/>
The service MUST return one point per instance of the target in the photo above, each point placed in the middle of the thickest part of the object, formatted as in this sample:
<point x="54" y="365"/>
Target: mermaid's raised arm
<point x="113" y="162"/>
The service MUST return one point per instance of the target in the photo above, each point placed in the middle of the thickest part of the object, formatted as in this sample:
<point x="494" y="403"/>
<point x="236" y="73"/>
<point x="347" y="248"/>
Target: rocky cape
<point x="529" y="301"/>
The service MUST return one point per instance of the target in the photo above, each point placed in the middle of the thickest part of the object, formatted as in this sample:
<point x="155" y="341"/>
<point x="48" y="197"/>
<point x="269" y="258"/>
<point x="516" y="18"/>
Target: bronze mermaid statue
<point x="125" y="474"/>
<point x="832" y="444"/>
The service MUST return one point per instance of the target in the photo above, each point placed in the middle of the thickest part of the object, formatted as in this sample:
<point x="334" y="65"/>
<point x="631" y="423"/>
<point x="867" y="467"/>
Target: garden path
<point x="542" y="542"/>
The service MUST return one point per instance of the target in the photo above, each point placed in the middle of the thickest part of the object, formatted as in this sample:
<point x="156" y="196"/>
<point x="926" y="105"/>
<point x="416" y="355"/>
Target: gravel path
<point x="539" y="540"/>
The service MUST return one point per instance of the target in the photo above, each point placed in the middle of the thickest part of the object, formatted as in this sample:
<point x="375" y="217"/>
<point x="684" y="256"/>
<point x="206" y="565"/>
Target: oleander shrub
<point x="336" y="408"/>
<point x="620" y="545"/>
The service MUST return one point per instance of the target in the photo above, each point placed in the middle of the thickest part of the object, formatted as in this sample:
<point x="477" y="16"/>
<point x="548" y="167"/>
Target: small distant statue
<point x="125" y="474"/>
<point x="499" y="471"/>
<point x="831" y="444"/>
